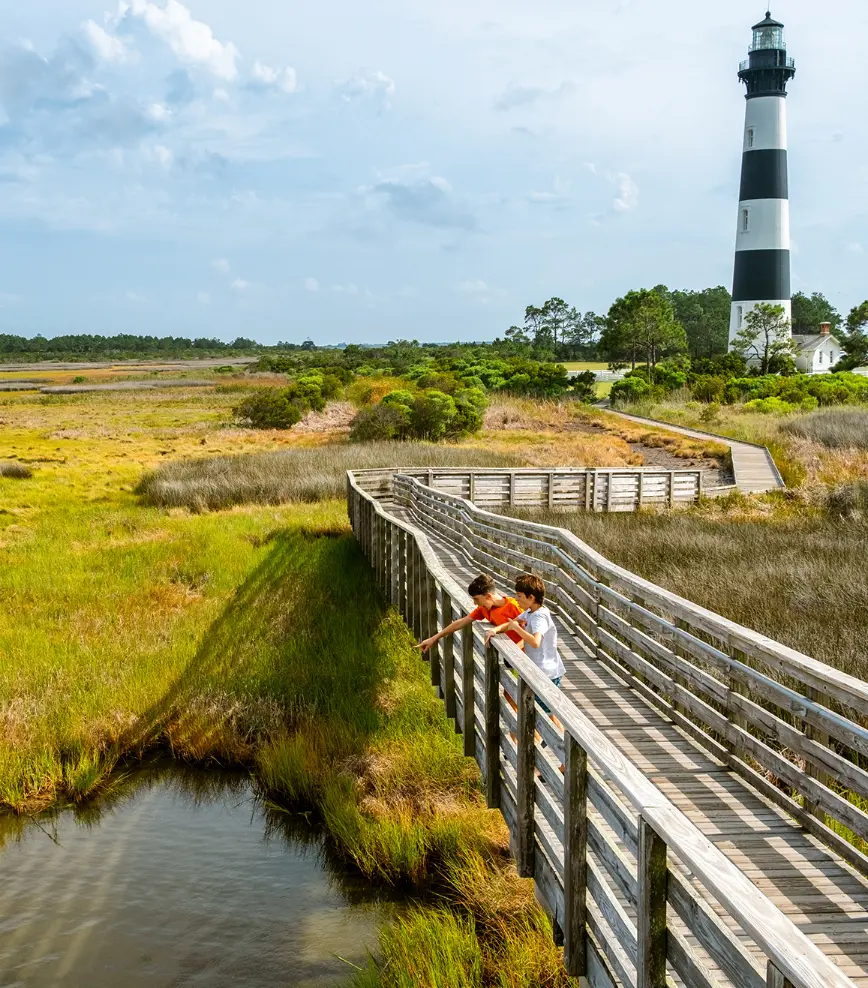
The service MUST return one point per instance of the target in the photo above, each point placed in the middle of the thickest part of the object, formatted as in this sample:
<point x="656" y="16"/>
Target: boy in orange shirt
<point x="490" y="606"/>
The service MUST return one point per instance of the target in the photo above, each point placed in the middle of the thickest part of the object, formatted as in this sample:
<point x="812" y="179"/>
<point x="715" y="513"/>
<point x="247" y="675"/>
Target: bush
<point x="379" y="423"/>
<point x="432" y="415"/>
<point x="268" y="409"/>
<point x="633" y="389"/>
<point x="708" y="388"/>
<point x="769" y="406"/>
<point x="16" y="471"/>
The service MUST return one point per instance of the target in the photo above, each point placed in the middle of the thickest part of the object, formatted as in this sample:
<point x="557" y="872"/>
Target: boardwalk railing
<point x="625" y="875"/>
<point x="626" y="489"/>
<point x="791" y="726"/>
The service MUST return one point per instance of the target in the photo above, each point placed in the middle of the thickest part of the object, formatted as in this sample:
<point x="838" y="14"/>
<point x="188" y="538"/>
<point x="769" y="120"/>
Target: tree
<point x="642" y="324"/>
<point x="535" y="321"/>
<point x="268" y="409"/>
<point x="432" y="415"/>
<point x="582" y="332"/>
<point x="765" y="337"/>
<point x="855" y="339"/>
<point x="705" y="317"/>
<point x="555" y="318"/>
<point x="811" y="310"/>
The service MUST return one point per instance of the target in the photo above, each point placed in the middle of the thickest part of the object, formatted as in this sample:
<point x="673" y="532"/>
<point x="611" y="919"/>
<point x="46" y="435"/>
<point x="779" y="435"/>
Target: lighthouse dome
<point x="768" y="34"/>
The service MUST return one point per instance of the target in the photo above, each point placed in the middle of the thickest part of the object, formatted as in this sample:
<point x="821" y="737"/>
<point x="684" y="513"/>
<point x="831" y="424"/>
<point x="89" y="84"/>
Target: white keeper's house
<point x="817" y="354"/>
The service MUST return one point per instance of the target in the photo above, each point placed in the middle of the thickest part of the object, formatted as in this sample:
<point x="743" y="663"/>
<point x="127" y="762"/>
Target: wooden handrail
<point x="792" y="958"/>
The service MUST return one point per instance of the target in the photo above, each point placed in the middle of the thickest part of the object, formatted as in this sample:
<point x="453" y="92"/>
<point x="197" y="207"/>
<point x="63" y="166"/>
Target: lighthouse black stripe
<point x="764" y="175"/>
<point x="761" y="274"/>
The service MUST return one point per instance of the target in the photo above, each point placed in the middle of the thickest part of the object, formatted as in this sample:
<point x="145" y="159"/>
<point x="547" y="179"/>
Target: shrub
<point x="432" y="415"/>
<point x="380" y="423"/>
<point x="709" y="388"/>
<point x="268" y="409"/>
<point x="769" y="406"/>
<point x="17" y="471"/>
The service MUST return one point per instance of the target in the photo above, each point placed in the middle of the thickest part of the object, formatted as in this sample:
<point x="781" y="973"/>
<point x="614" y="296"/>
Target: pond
<point x="180" y="878"/>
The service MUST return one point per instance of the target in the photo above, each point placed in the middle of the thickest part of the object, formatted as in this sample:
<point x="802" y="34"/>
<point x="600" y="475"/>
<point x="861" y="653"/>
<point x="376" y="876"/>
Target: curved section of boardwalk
<point x="632" y="705"/>
<point x="753" y="466"/>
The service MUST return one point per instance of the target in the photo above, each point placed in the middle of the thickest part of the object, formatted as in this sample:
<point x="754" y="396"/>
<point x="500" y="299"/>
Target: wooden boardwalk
<point x="752" y="466"/>
<point x="790" y="861"/>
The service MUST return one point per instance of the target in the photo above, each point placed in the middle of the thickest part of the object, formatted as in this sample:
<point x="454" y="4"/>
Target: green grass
<point x="594" y="365"/>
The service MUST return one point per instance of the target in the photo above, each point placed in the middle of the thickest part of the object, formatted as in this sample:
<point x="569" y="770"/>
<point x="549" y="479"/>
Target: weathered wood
<point x="431" y="591"/>
<point x="651" y="924"/>
<point x="492" y="727"/>
<point x="468" y="684"/>
<point x="447" y="618"/>
<point x="525" y="745"/>
<point x="575" y="857"/>
<point x="775" y="978"/>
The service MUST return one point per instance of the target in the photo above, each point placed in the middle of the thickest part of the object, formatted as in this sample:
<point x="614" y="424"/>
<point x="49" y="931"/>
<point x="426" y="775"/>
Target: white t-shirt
<point x="540" y="622"/>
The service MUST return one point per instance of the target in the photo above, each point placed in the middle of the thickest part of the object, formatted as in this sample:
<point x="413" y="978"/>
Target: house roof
<point x="809" y="343"/>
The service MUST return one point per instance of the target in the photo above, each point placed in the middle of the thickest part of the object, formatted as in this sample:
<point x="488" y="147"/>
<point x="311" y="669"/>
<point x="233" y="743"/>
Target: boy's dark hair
<point x="481" y="586"/>
<point x="531" y="586"/>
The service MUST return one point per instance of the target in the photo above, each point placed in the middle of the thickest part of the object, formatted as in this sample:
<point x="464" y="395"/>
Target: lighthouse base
<point x="738" y="315"/>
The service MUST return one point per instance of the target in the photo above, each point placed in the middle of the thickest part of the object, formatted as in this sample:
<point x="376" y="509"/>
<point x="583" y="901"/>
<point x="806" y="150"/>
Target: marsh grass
<point x="288" y="476"/>
<point x="836" y="428"/>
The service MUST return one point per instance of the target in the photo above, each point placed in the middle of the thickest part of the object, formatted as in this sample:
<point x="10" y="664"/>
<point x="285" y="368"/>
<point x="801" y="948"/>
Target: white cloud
<point x="285" y="80"/>
<point x="311" y="284"/>
<point x="855" y="248"/>
<point x="191" y="40"/>
<point x="158" y="112"/>
<point x="368" y="84"/>
<point x="203" y="298"/>
<point x="349" y="289"/>
<point x="107" y="47"/>
<point x="135" y="297"/>
<point x="221" y="265"/>
<point x="628" y="193"/>
<point x="240" y="285"/>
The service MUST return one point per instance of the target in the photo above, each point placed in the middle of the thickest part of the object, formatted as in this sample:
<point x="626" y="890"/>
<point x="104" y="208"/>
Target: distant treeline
<point x="124" y="346"/>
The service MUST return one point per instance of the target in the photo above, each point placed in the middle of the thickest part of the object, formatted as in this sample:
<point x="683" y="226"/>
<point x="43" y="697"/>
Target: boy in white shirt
<point x="536" y="627"/>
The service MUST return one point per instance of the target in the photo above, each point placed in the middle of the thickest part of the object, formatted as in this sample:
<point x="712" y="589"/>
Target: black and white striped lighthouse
<point x="762" y="246"/>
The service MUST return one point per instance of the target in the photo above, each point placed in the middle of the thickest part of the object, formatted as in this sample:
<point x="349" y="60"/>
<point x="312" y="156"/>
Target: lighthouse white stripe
<point x="768" y="225"/>
<point x="767" y="117"/>
<point x="740" y="310"/>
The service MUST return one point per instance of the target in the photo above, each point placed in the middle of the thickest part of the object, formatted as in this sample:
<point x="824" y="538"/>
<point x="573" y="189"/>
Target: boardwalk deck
<point x="684" y="731"/>
<point x="753" y="467"/>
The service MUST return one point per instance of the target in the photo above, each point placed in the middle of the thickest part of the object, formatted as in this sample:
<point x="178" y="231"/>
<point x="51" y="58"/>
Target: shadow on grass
<point x="295" y="642"/>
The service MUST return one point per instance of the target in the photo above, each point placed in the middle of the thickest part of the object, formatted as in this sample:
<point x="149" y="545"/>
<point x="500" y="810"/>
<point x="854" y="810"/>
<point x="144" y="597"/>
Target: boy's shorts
<point x="545" y="709"/>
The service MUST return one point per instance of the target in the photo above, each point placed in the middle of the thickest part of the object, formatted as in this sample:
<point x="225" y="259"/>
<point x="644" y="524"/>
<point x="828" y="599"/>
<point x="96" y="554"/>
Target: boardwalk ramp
<point x="690" y="818"/>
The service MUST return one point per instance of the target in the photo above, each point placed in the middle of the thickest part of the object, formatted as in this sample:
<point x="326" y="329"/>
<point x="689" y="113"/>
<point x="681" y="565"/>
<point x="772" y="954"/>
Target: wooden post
<point x="468" y="686"/>
<point x="419" y="592"/>
<point x="671" y="488"/>
<point x="821" y="737"/>
<point x="512" y="488"/>
<point x="609" y="493"/>
<point x="472" y="485"/>
<point x="651" y="900"/>
<point x="698" y="485"/>
<point x="430" y="478"/>
<point x="448" y="656"/>
<point x="551" y="489"/>
<point x="431" y="629"/>
<point x="775" y="978"/>
<point x="589" y="479"/>
<point x="575" y="857"/>
<point x="411" y="583"/>
<point x="526" y="747"/>
<point x="492" y="727"/>
<point x="402" y="572"/>
<point x="641" y="485"/>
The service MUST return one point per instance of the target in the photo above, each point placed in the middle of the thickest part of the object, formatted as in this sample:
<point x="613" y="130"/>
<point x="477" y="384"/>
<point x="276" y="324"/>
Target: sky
<point x="360" y="172"/>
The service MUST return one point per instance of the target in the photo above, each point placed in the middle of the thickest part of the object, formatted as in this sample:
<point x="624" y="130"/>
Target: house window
<point x="745" y="220"/>
<point x="820" y="357"/>
<point x="750" y="137"/>
<point x="831" y="356"/>
<point x="739" y="316"/>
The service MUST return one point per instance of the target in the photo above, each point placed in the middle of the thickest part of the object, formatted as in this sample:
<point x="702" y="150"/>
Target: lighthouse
<point x="762" y="246"/>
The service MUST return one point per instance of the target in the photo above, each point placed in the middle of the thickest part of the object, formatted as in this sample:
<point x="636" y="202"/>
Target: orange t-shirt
<point x="500" y="614"/>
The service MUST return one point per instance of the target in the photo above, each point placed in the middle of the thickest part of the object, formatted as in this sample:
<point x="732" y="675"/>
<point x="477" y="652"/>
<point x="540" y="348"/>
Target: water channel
<point x="183" y="878"/>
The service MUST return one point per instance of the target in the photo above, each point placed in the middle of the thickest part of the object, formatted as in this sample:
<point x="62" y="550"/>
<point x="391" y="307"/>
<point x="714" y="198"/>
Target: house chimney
<point x="825" y="328"/>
